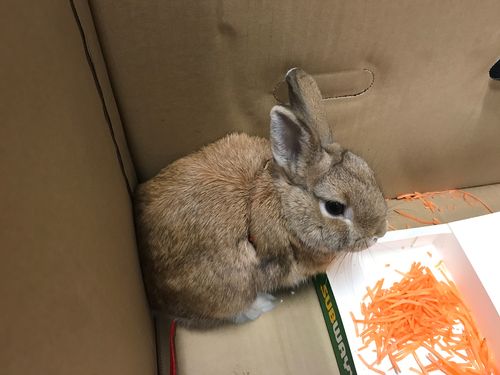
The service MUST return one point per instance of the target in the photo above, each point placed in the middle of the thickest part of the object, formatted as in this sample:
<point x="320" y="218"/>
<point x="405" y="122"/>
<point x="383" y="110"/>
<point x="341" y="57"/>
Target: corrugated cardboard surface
<point x="293" y="339"/>
<point x="187" y="72"/>
<point x="98" y="64"/>
<point x="72" y="298"/>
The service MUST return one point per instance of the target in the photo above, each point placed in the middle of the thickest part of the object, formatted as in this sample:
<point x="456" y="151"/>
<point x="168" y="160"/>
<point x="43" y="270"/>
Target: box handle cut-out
<point x="495" y="71"/>
<point x="344" y="84"/>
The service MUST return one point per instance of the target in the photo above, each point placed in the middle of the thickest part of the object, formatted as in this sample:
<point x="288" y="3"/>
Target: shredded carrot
<point x="419" y="363"/>
<point x="470" y="195"/>
<point x="371" y="367"/>
<point x="417" y="219"/>
<point x="355" y="326"/>
<point x="427" y="200"/>
<point x="420" y="312"/>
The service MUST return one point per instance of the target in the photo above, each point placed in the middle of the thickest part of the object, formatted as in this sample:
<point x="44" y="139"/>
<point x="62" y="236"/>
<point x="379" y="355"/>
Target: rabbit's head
<point x="329" y="196"/>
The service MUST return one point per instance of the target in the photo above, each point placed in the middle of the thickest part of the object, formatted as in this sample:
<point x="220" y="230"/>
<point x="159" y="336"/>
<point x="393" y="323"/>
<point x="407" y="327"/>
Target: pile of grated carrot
<point x="420" y="312"/>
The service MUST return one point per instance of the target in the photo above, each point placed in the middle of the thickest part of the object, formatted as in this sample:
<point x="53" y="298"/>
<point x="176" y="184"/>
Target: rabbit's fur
<point x="244" y="216"/>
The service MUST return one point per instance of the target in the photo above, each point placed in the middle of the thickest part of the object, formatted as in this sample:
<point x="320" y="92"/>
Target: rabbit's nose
<point x="374" y="239"/>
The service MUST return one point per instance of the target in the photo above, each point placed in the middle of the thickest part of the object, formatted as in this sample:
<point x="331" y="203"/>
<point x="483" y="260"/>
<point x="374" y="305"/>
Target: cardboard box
<point x="470" y="250"/>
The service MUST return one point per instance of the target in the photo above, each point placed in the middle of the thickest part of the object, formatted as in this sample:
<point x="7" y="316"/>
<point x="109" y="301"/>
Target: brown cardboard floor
<point x="292" y="339"/>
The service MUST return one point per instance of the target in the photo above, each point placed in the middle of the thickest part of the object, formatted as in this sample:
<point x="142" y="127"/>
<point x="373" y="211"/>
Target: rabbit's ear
<point x="294" y="145"/>
<point x="305" y="99"/>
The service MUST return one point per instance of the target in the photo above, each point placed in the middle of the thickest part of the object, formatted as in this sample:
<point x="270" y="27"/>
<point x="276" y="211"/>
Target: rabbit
<point x="222" y="228"/>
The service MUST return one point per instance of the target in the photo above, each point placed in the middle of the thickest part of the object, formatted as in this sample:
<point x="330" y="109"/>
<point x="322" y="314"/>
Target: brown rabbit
<point x="243" y="216"/>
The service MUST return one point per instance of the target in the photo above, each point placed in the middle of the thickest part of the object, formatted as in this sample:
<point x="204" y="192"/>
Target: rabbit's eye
<point x="334" y="208"/>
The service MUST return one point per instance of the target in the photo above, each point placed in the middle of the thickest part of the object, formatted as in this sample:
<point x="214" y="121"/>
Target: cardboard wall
<point x="416" y="98"/>
<point x="72" y="297"/>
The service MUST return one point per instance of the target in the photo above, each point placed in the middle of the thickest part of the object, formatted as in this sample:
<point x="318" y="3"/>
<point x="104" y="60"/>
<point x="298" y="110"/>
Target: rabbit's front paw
<point x="263" y="303"/>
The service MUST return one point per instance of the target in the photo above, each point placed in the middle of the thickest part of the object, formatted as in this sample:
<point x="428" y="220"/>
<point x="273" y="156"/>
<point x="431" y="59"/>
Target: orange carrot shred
<point x="355" y="324"/>
<point x="371" y="367"/>
<point x="427" y="201"/>
<point x="424" y="371"/>
<point x="420" y="312"/>
<point x="390" y="226"/>
<point x="417" y="219"/>
<point x="470" y="195"/>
